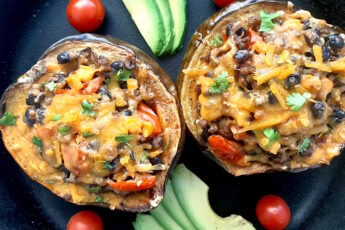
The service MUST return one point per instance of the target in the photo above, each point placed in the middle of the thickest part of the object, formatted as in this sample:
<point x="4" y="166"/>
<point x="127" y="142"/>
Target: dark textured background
<point x="316" y="197"/>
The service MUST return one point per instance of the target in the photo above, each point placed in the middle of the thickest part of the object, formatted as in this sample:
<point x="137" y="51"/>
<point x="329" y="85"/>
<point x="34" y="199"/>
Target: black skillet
<point x="316" y="197"/>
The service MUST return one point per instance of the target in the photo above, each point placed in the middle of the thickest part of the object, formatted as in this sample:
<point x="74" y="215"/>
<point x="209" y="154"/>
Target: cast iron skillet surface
<point x="316" y="197"/>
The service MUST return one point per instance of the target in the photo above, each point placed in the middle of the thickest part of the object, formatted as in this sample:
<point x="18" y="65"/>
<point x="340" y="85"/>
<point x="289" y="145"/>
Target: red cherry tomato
<point x="85" y="15"/>
<point x="273" y="212"/>
<point x="85" y="220"/>
<point x="222" y="3"/>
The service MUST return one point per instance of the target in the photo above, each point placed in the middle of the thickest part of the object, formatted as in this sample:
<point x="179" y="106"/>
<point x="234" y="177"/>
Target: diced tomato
<point x="60" y="91"/>
<point x="254" y="36"/>
<point x="137" y="184"/>
<point x="226" y="149"/>
<point x="92" y="86"/>
<point x="147" y="114"/>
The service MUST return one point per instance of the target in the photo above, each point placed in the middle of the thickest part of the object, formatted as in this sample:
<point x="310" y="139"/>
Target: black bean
<point x="104" y="92"/>
<point x="241" y="32"/>
<point x="317" y="109"/>
<point x="30" y="100"/>
<point x="156" y="161"/>
<point x="30" y="117"/>
<point x="338" y="115"/>
<point x="292" y="80"/>
<point x="271" y="98"/>
<point x="326" y="53"/>
<point x="205" y="134"/>
<point x="228" y="30"/>
<point x="40" y="114"/>
<point x="241" y="56"/>
<point x="115" y="163"/>
<point x="63" y="57"/>
<point x="120" y="109"/>
<point x="123" y="84"/>
<point x="117" y="65"/>
<point x="128" y="113"/>
<point x="307" y="25"/>
<point x="335" y="41"/>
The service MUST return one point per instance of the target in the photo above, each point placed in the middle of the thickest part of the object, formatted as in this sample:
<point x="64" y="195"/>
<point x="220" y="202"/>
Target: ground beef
<point x="224" y="127"/>
<point x="312" y="37"/>
<point x="246" y="68"/>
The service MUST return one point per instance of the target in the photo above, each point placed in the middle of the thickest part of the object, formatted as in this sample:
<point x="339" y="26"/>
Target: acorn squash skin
<point x="13" y="99"/>
<point x="189" y="98"/>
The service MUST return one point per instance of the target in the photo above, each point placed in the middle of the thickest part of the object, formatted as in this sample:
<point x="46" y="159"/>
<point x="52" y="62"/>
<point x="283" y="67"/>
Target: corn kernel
<point x="132" y="84"/>
<point x="147" y="128"/>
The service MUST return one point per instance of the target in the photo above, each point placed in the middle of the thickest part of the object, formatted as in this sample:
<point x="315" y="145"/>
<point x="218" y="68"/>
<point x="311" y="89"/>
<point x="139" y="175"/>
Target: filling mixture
<point x="271" y="89"/>
<point x="92" y="119"/>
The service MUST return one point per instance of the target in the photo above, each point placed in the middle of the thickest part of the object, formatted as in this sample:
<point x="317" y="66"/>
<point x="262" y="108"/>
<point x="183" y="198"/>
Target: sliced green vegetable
<point x="168" y="22"/>
<point x="216" y="41"/>
<point x="296" y="101"/>
<point x="221" y="84"/>
<point x="8" y="119"/>
<point x="38" y="142"/>
<point x="304" y="146"/>
<point x="272" y="135"/>
<point x="145" y="222"/>
<point x="56" y="117"/>
<point x="179" y="14"/>
<point x="266" y="21"/>
<point x="123" y="75"/>
<point x="99" y="198"/>
<point x="64" y="129"/>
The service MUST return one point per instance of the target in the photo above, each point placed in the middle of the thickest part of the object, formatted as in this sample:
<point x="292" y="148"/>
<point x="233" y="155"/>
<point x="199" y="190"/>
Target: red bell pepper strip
<point x="254" y="36"/>
<point x="147" y="114"/>
<point x="92" y="86"/>
<point x="137" y="184"/>
<point x="228" y="150"/>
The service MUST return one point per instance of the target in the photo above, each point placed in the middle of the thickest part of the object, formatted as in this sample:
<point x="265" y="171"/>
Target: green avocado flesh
<point x="168" y="22"/>
<point x="148" y="19"/>
<point x="186" y="206"/>
<point x="179" y="14"/>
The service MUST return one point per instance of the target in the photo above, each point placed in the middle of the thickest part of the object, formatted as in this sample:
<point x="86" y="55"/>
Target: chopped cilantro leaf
<point x="266" y="21"/>
<point x="99" y="198"/>
<point x="108" y="166"/>
<point x="64" y="129"/>
<point x="216" y="41"/>
<point x="296" y="101"/>
<point x="272" y="136"/>
<point x="86" y="108"/>
<point x="87" y="134"/>
<point x="221" y="84"/>
<point x="304" y="146"/>
<point x="56" y="117"/>
<point x="123" y="75"/>
<point x="38" y="142"/>
<point x="51" y="86"/>
<point x="8" y="119"/>
<point x="124" y="138"/>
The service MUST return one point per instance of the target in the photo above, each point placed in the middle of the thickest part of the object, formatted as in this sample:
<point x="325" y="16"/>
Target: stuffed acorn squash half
<point x="96" y="121"/>
<point x="262" y="88"/>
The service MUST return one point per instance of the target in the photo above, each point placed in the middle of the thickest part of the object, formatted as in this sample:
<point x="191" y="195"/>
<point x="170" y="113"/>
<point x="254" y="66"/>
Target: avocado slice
<point x="168" y="22"/>
<point x="192" y="194"/>
<point x="144" y="222"/>
<point x="179" y="14"/>
<point x="165" y="220"/>
<point x="149" y="21"/>
<point x="172" y="205"/>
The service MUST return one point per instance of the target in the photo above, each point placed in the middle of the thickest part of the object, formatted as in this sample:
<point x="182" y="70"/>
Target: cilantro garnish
<point x="64" y="129"/>
<point x="51" y="86"/>
<point x="216" y="41"/>
<point x="304" y="146"/>
<point x="296" y="101"/>
<point x="123" y="75"/>
<point x="99" y="198"/>
<point x="38" y="142"/>
<point x="266" y="21"/>
<point x="108" y="166"/>
<point x="272" y="135"/>
<point x="8" y="119"/>
<point x="86" y="108"/>
<point x="56" y="117"/>
<point x="124" y="139"/>
<point x="87" y="134"/>
<point x="221" y="83"/>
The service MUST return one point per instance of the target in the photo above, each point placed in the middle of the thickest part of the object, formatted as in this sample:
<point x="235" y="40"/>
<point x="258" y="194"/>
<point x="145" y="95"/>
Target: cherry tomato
<point x="226" y="149"/>
<point x="273" y="212"/>
<point x="85" y="15"/>
<point x="85" y="220"/>
<point x="92" y="86"/>
<point x="222" y="3"/>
